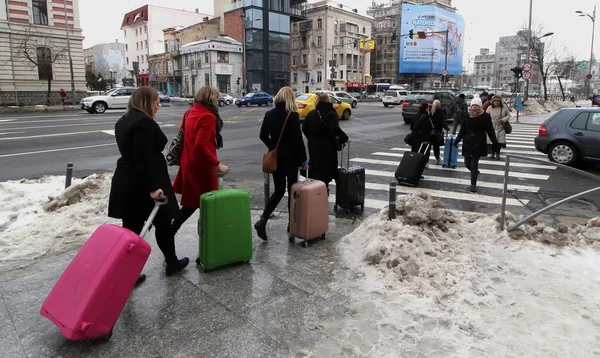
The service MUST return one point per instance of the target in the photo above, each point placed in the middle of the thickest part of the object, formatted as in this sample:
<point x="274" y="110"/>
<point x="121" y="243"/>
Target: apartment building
<point x="335" y="32"/>
<point x="34" y="49"/>
<point x="108" y="60"/>
<point x="143" y="33"/>
<point x="485" y="69"/>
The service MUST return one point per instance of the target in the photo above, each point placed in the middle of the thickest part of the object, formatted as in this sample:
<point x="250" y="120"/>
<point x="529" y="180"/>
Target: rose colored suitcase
<point x="309" y="211"/>
<point x="88" y="298"/>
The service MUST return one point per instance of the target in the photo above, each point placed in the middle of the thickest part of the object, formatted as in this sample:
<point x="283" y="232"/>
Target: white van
<point x="393" y="97"/>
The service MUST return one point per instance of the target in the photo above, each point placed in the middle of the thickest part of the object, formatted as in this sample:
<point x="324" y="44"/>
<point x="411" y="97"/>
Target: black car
<point x="570" y="135"/>
<point x="410" y="106"/>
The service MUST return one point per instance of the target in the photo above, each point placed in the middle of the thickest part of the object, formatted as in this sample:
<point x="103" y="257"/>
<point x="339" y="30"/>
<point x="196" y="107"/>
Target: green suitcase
<point x="224" y="228"/>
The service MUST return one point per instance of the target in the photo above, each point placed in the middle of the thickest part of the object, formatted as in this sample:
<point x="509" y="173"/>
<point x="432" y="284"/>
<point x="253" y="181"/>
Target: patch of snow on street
<point x="432" y="283"/>
<point x="40" y="216"/>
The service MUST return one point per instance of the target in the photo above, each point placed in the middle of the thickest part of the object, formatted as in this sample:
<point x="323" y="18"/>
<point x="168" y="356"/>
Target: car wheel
<point x="562" y="153"/>
<point x="260" y="104"/>
<point x="386" y="105"/>
<point x="269" y="103"/>
<point x="407" y="121"/>
<point x="228" y="103"/>
<point x="239" y="105"/>
<point x="354" y="104"/>
<point x="99" y="107"/>
<point x="248" y="104"/>
<point x="221" y="103"/>
<point x="346" y="115"/>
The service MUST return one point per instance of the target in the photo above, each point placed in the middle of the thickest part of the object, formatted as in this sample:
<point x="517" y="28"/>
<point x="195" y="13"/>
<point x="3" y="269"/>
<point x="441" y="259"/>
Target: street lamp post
<point x="593" y="18"/>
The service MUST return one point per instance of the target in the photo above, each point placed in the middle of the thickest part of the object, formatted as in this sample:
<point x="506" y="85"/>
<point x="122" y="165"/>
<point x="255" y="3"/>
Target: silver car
<point x="344" y="97"/>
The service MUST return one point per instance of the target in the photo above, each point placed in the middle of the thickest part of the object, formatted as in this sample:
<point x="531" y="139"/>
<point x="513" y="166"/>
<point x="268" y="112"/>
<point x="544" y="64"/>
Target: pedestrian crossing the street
<point x="451" y="185"/>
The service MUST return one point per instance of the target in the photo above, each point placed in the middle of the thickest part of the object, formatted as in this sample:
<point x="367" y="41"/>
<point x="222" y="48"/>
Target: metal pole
<point x="591" y="52"/>
<point x="446" y="58"/>
<point x="504" y="190"/>
<point x="392" y="202"/>
<point x="69" y="175"/>
<point x="12" y="64"/>
<point x="69" y="50"/>
<point x="431" y="69"/>
<point x="526" y="92"/>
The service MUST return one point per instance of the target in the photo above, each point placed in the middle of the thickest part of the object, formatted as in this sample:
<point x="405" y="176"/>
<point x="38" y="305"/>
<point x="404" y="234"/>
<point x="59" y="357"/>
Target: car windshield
<point x="249" y="95"/>
<point x="420" y="97"/>
<point x="110" y="91"/>
<point x="303" y="97"/>
<point x="390" y="93"/>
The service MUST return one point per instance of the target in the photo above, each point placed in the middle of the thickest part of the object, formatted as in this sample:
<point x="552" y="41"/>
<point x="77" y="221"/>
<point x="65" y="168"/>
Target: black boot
<point x="261" y="228"/>
<point x="176" y="266"/>
<point x="473" y="188"/>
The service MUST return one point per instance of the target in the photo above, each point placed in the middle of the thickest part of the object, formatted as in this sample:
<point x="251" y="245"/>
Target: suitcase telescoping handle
<point x="299" y="175"/>
<point x="342" y="154"/>
<point x="427" y="145"/>
<point x="157" y="205"/>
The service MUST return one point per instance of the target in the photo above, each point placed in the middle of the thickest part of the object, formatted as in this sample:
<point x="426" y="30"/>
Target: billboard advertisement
<point x="428" y="54"/>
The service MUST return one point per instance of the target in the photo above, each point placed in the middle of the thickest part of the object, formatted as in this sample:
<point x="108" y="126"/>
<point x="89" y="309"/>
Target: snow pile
<point x="532" y="106"/>
<point x="40" y="216"/>
<point x="431" y="283"/>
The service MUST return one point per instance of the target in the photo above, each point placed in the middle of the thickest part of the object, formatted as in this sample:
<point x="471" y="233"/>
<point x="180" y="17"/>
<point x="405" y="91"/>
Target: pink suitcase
<point x="88" y="298"/>
<point x="309" y="211"/>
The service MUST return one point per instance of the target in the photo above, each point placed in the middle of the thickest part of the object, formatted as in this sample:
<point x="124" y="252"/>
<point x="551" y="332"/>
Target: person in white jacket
<point x="500" y="116"/>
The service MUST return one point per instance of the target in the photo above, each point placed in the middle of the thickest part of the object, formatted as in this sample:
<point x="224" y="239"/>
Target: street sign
<point x="527" y="67"/>
<point x="445" y="73"/>
<point x="526" y="76"/>
<point x="518" y="103"/>
<point x="588" y="77"/>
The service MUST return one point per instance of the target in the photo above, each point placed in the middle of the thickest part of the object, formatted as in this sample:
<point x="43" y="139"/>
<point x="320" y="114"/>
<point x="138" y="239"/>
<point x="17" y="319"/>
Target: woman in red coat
<point x="200" y="166"/>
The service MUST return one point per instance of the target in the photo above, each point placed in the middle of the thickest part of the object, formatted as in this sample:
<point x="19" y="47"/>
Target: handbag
<point x="175" y="148"/>
<point x="408" y="139"/>
<point x="270" y="159"/>
<point x="436" y="138"/>
<point x="507" y="127"/>
<point x="338" y="145"/>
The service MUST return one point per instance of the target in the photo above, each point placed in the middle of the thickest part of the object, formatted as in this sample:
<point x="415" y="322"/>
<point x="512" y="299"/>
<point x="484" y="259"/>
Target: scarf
<point x="215" y="111"/>
<point x="475" y="112"/>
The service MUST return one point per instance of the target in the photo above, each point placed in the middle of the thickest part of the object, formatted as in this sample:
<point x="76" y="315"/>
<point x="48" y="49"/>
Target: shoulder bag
<point x="336" y="139"/>
<point x="507" y="125"/>
<point x="270" y="159"/>
<point x="435" y="137"/>
<point x="175" y="148"/>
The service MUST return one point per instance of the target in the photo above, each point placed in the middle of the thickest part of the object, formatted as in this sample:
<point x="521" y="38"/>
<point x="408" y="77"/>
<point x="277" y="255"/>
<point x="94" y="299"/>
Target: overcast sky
<point x="485" y="21"/>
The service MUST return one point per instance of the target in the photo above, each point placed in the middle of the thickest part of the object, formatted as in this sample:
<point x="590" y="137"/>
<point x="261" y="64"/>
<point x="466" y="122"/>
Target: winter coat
<point x="141" y="169"/>
<point x="438" y="120"/>
<point x="473" y="131"/>
<point x="291" y="152"/>
<point x="421" y="130"/>
<point x="459" y="110"/>
<point x="500" y="115"/>
<point x="197" y="171"/>
<point x="320" y="132"/>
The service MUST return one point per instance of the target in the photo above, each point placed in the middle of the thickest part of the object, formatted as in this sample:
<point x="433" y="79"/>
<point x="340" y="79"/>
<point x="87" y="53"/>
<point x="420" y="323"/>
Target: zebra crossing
<point x="451" y="185"/>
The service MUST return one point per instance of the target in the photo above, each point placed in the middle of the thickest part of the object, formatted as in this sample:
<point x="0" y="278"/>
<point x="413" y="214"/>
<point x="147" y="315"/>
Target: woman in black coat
<point x="475" y="131"/>
<point x="321" y="127"/>
<point x="291" y="154"/>
<point x="142" y="176"/>
<point x="439" y="124"/>
<point x="421" y="130"/>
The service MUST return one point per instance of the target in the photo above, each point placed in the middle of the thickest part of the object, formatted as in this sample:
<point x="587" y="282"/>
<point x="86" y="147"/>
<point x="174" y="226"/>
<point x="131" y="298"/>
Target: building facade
<point x="143" y="33"/>
<point x="264" y="26"/>
<point x="34" y="51"/>
<point x="215" y="62"/>
<point x="509" y="54"/>
<point x="485" y="69"/>
<point x="330" y="32"/>
<point x="108" y="60"/>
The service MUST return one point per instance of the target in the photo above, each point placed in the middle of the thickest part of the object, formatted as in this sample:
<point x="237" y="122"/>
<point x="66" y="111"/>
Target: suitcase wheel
<point x="362" y="207"/>
<point x="304" y="243"/>
<point x="444" y="166"/>
<point x="453" y="167"/>
<point x="292" y="239"/>
<point x="323" y="237"/>
<point x="108" y="336"/>
<point x="198" y="261"/>
<point x="335" y="207"/>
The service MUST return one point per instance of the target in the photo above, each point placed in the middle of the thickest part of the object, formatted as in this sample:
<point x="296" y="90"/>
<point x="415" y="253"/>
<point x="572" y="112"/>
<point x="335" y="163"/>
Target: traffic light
<point x="332" y="83"/>
<point x="410" y="34"/>
<point x="517" y="72"/>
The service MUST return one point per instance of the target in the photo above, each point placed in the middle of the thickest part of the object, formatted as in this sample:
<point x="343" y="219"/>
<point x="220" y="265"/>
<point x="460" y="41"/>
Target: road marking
<point x="60" y="125"/>
<point x="522" y="137"/>
<point x="448" y="180"/>
<point x="4" y="133"/>
<point x="109" y="132"/>
<point x="500" y="163"/>
<point x="56" y="150"/>
<point x="521" y="152"/>
<point x="461" y="169"/>
<point x="49" y="135"/>
<point x="468" y="196"/>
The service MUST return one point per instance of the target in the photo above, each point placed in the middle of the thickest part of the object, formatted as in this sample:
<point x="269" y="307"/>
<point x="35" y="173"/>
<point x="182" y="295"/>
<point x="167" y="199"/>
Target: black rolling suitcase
<point x="349" y="185"/>
<point x="411" y="166"/>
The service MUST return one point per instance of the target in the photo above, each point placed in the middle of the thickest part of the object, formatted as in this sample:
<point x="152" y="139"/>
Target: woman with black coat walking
<point x="439" y="124"/>
<point x="322" y="130"/>
<point x="142" y="176"/>
<point x="475" y="131"/>
<point x="421" y="130"/>
<point x="282" y="121"/>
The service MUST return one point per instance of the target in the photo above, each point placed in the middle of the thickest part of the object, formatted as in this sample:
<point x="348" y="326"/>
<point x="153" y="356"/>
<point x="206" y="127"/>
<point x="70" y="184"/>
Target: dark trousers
<point x="184" y="214"/>
<point x="280" y="176"/>
<point x="436" y="152"/>
<point x="164" y="233"/>
<point x="472" y="163"/>
<point x="455" y="125"/>
<point x="415" y="148"/>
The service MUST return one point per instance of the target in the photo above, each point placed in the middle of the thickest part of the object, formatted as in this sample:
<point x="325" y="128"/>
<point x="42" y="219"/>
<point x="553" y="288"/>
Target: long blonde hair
<point x="286" y="95"/>
<point x="207" y="95"/>
<point x="435" y="105"/>
<point x="143" y="99"/>
<point x="322" y="97"/>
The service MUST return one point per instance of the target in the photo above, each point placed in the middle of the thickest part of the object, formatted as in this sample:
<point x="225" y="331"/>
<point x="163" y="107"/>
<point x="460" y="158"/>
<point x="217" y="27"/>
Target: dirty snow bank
<point x="434" y="284"/>
<point x="40" y="217"/>
<point x="533" y="106"/>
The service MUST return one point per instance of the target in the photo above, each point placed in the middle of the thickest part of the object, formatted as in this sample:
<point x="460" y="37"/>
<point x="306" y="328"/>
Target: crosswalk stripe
<point x="481" y="161"/>
<point x="462" y="170"/>
<point x="521" y="131"/>
<point x="519" y="141"/>
<point x="451" y="180"/>
<point x="486" y="199"/>
<point x="521" y="152"/>
<point x="522" y="137"/>
<point x="520" y="145"/>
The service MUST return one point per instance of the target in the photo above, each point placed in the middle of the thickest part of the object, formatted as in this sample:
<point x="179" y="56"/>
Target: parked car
<point x="228" y="99"/>
<point x="306" y="103"/>
<point x="344" y="97"/>
<point x="393" y="97"/>
<point x="571" y="135"/>
<point x="115" y="99"/>
<point x="164" y="98"/>
<point x="258" y="98"/>
<point x="410" y="106"/>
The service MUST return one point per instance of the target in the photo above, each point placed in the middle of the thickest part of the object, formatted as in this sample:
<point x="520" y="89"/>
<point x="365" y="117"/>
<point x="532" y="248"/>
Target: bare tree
<point x="540" y="52"/>
<point x="41" y="53"/>
<point x="565" y="69"/>
<point x="103" y="66"/>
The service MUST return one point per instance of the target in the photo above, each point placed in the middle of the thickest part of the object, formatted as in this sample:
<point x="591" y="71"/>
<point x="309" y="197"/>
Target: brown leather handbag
<point x="270" y="159"/>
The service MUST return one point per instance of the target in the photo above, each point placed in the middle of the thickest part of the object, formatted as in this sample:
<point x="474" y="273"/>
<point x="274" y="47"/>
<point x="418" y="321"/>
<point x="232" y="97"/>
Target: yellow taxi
<point x="306" y="103"/>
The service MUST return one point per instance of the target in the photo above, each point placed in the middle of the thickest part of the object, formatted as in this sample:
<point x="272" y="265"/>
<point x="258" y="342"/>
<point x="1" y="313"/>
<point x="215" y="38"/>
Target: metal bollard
<point x="267" y="183"/>
<point x="69" y="175"/>
<point x="392" y="203"/>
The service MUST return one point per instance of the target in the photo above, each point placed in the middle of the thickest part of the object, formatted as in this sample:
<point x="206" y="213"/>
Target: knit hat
<point x="497" y="98"/>
<point x="476" y="101"/>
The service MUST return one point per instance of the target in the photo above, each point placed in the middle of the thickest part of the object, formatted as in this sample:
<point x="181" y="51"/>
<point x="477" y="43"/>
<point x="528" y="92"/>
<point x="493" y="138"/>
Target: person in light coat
<point x="500" y="116"/>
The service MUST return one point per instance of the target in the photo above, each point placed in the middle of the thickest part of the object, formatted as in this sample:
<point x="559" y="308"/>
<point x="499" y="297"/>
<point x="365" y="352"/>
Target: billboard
<point x="428" y="55"/>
